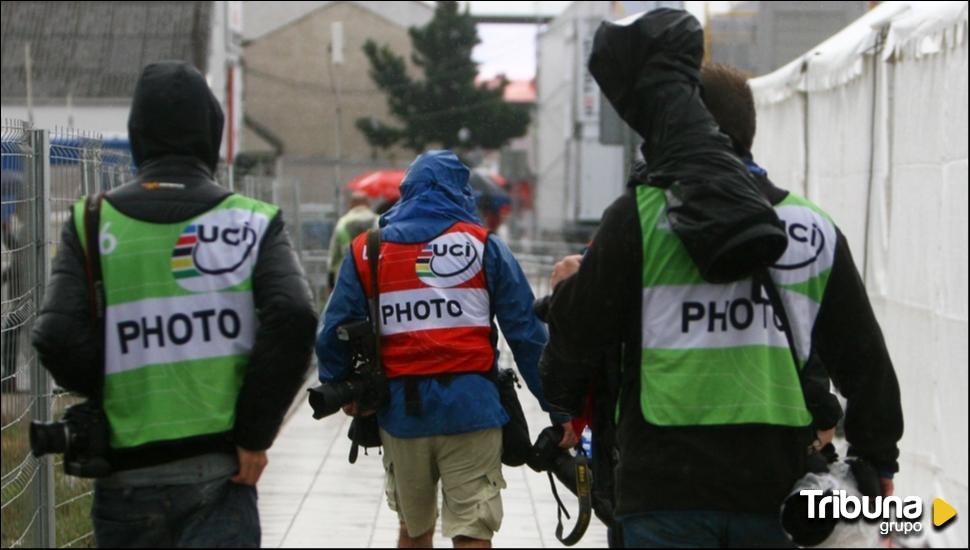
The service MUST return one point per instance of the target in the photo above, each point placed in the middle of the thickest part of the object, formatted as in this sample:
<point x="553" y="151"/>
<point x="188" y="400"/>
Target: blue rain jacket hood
<point x="434" y="195"/>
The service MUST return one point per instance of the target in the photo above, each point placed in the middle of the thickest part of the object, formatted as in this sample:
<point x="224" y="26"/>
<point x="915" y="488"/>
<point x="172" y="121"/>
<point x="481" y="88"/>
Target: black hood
<point x="174" y="113"/>
<point x="648" y="67"/>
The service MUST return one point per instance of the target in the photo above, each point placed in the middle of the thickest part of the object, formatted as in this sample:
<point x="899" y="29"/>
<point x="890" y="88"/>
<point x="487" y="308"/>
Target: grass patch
<point x="20" y="473"/>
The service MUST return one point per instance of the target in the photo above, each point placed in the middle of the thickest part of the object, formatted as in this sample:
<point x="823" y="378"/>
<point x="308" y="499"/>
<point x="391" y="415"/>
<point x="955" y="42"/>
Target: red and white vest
<point x="435" y="309"/>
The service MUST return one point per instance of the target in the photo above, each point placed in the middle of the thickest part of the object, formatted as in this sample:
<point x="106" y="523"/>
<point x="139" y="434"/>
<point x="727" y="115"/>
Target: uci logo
<point x="242" y="240"/>
<point x="809" y="239"/>
<point x="449" y="260"/>
<point x="217" y="251"/>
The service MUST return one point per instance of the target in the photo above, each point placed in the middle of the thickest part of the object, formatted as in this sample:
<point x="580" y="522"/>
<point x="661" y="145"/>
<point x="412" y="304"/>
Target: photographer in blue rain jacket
<point x="455" y="435"/>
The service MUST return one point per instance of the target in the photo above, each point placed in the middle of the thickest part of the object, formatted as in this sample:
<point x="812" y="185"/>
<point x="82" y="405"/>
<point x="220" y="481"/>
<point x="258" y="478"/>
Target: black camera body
<point x="366" y="384"/>
<point x="548" y="456"/>
<point x="82" y="435"/>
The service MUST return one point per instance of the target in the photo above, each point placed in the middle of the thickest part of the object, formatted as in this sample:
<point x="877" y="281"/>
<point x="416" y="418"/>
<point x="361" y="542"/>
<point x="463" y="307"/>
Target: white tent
<point x="872" y="125"/>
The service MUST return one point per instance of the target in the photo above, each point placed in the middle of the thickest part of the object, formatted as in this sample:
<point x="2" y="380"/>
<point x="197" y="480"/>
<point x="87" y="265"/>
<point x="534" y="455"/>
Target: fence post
<point x="40" y="380"/>
<point x="298" y="221"/>
<point x="92" y="181"/>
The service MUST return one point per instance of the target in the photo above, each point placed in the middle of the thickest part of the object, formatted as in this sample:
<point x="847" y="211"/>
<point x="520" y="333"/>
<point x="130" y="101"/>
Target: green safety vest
<point x="179" y="321"/>
<point x="358" y="220"/>
<point x="712" y="355"/>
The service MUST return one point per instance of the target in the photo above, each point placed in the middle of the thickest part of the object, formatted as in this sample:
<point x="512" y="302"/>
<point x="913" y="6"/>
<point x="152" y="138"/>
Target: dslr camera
<point x="827" y="474"/>
<point x="81" y="435"/>
<point x="548" y="456"/>
<point x="366" y="384"/>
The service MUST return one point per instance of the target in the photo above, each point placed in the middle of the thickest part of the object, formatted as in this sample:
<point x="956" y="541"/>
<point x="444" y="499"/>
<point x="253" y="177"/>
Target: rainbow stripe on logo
<point x="423" y="265"/>
<point x="182" y="265"/>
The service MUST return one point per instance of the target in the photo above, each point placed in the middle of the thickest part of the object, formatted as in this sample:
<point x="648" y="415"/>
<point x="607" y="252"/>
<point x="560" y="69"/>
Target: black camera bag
<point x="516" y="444"/>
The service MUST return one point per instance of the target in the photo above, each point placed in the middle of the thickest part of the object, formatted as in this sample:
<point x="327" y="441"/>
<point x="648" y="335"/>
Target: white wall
<point x="577" y="176"/>
<point x="107" y="119"/>
<point x="896" y="183"/>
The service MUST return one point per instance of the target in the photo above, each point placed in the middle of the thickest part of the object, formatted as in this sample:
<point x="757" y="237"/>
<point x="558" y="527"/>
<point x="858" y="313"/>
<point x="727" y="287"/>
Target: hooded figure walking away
<point x="204" y="331"/>
<point x="442" y="279"/>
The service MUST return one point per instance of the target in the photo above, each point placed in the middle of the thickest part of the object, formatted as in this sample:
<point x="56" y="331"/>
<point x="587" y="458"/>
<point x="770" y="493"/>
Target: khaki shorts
<point x="470" y="468"/>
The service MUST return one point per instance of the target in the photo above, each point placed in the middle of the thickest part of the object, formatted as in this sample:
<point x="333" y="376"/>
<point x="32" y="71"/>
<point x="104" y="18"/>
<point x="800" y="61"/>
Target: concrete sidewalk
<point x="310" y="496"/>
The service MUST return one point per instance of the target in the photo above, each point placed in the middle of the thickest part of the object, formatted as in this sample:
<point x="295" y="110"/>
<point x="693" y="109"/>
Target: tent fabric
<point x="914" y="29"/>
<point x="926" y="28"/>
<point x="879" y="140"/>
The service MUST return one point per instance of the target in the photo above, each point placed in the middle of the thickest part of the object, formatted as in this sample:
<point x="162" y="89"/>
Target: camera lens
<point x="802" y="530"/>
<point x="48" y="437"/>
<point x="327" y="399"/>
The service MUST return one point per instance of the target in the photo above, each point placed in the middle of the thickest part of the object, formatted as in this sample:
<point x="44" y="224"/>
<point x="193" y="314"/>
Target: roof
<point x="97" y="49"/>
<point x="516" y="91"/>
<point x="913" y="29"/>
<point x="520" y="91"/>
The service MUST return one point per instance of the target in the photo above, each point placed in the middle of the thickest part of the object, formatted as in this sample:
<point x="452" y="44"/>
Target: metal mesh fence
<point x="20" y="470"/>
<point x="44" y="173"/>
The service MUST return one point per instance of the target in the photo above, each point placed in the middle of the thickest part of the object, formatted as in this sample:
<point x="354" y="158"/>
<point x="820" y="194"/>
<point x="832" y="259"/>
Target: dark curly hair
<point x="727" y="95"/>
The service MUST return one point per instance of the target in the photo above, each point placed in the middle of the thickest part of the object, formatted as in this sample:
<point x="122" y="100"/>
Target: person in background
<point x="357" y="220"/>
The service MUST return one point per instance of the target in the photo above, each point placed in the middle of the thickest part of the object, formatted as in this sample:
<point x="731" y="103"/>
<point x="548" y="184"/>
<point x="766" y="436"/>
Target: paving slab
<point x="311" y="497"/>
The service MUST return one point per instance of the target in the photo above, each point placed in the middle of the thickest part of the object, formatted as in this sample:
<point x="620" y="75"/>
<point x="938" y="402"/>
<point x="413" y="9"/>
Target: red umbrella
<point x="385" y="184"/>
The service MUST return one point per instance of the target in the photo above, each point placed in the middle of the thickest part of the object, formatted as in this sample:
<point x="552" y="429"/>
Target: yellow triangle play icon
<point x="942" y="512"/>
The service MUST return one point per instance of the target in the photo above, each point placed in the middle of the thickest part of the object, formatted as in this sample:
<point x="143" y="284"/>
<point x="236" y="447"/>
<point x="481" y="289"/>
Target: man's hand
<point x="569" y="437"/>
<point x="565" y="268"/>
<point x="251" y="465"/>
<point x="351" y="409"/>
<point x="823" y="438"/>
<point x="887" y="486"/>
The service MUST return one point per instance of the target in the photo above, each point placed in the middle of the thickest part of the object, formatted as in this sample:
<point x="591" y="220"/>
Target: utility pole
<point x="337" y="58"/>
<point x="30" y="85"/>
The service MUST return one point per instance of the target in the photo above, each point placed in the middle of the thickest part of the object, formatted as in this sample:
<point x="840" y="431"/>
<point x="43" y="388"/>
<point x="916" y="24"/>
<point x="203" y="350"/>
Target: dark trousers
<point x="703" y="529"/>
<point x="214" y="514"/>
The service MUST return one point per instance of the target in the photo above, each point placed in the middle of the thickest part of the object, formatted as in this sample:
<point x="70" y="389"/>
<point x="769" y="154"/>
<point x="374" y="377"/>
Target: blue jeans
<point x="214" y="513"/>
<point x="703" y="529"/>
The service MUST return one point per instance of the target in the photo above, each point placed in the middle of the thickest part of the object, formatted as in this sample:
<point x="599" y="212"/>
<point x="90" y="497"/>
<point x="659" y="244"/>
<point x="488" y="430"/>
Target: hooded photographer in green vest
<point x="181" y="311"/>
<point x="726" y="296"/>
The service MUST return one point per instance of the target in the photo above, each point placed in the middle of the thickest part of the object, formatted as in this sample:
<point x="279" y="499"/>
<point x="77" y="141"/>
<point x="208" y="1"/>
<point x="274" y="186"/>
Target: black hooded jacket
<point x="743" y="468"/>
<point x="175" y="129"/>
<point x="647" y="69"/>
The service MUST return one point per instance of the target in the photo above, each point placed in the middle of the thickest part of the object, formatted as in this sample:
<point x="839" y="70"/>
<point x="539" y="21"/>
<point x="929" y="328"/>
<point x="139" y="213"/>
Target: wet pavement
<point x="310" y="496"/>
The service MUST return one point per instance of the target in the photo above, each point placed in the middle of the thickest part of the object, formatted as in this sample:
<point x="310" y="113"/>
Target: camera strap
<point x="584" y="494"/>
<point x="92" y="263"/>
<point x="762" y="279"/>
<point x="95" y="278"/>
<point x="373" y="257"/>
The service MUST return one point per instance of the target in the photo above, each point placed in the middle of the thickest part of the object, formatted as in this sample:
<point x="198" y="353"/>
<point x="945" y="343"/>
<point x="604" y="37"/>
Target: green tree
<point x="435" y="110"/>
